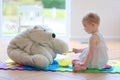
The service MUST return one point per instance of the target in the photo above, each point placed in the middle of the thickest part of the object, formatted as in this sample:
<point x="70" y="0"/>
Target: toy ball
<point x="64" y="62"/>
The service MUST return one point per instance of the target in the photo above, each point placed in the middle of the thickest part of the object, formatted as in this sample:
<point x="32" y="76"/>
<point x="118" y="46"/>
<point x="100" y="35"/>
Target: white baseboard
<point x="112" y="37"/>
<point x="86" y="37"/>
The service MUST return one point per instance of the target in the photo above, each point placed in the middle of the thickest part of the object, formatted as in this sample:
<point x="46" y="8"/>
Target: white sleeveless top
<point x="100" y="57"/>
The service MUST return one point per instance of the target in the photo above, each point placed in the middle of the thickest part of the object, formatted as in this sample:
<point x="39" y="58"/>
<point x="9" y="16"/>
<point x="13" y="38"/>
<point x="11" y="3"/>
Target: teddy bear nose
<point x="53" y="35"/>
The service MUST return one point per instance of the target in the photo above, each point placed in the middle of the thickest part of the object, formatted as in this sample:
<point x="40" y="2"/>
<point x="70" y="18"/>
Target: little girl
<point x="95" y="56"/>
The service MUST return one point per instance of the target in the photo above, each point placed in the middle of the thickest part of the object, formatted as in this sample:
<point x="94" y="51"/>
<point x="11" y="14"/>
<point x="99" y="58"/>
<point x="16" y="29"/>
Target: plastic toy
<point x="64" y="62"/>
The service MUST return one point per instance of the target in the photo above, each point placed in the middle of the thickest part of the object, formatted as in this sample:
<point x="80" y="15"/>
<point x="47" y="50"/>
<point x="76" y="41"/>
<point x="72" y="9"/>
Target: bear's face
<point x="41" y="34"/>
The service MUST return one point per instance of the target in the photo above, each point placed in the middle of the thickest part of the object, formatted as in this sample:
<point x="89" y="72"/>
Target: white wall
<point x="108" y="10"/>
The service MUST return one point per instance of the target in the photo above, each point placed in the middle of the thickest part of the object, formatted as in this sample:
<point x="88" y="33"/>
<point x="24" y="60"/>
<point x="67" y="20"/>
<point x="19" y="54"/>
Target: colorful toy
<point x="64" y="62"/>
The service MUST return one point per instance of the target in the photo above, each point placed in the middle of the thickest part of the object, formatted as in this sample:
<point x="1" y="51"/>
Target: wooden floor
<point x="113" y="52"/>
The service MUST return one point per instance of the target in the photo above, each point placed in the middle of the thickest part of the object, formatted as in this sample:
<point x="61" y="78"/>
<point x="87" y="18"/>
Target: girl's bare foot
<point x="78" y="66"/>
<point x="107" y="66"/>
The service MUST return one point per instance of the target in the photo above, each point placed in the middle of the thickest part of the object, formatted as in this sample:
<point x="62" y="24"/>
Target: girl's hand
<point x="77" y="50"/>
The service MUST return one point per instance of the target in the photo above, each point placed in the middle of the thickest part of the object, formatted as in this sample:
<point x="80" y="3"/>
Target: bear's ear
<point x="36" y="27"/>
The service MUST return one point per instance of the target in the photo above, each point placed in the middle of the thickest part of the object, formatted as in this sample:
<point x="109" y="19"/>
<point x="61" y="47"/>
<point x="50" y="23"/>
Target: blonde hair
<point x="92" y="17"/>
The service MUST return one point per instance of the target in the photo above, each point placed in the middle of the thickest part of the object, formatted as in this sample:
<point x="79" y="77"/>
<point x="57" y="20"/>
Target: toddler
<point x="95" y="56"/>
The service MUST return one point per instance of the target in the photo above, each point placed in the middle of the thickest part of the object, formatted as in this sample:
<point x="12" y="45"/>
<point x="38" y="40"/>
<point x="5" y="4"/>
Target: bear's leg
<point x="42" y="50"/>
<point x="20" y="57"/>
<point x="36" y="60"/>
<point x="48" y="56"/>
<point x="40" y="61"/>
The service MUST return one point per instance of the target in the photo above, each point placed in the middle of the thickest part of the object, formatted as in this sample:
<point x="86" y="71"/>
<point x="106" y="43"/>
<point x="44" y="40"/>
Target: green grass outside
<point x="10" y="13"/>
<point x="9" y="33"/>
<point x="11" y="10"/>
<point x="60" y="14"/>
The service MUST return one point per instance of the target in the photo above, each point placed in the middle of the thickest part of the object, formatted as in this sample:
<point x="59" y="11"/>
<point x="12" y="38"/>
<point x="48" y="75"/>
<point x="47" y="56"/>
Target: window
<point x="54" y="16"/>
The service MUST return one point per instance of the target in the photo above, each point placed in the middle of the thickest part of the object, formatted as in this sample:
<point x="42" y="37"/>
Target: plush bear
<point x="36" y="47"/>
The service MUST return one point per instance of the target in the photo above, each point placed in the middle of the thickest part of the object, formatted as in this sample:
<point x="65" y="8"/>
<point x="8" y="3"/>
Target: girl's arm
<point x="92" y="44"/>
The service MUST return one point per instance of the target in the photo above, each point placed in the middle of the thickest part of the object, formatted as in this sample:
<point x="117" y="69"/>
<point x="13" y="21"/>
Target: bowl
<point x="64" y="62"/>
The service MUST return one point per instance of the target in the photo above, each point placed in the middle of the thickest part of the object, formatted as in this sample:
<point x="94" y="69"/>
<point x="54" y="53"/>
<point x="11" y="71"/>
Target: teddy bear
<point x="36" y="46"/>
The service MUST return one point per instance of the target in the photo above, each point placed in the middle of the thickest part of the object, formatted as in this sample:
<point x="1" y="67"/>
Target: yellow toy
<point x="65" y="59"/>
<point x="64" y="62"/>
